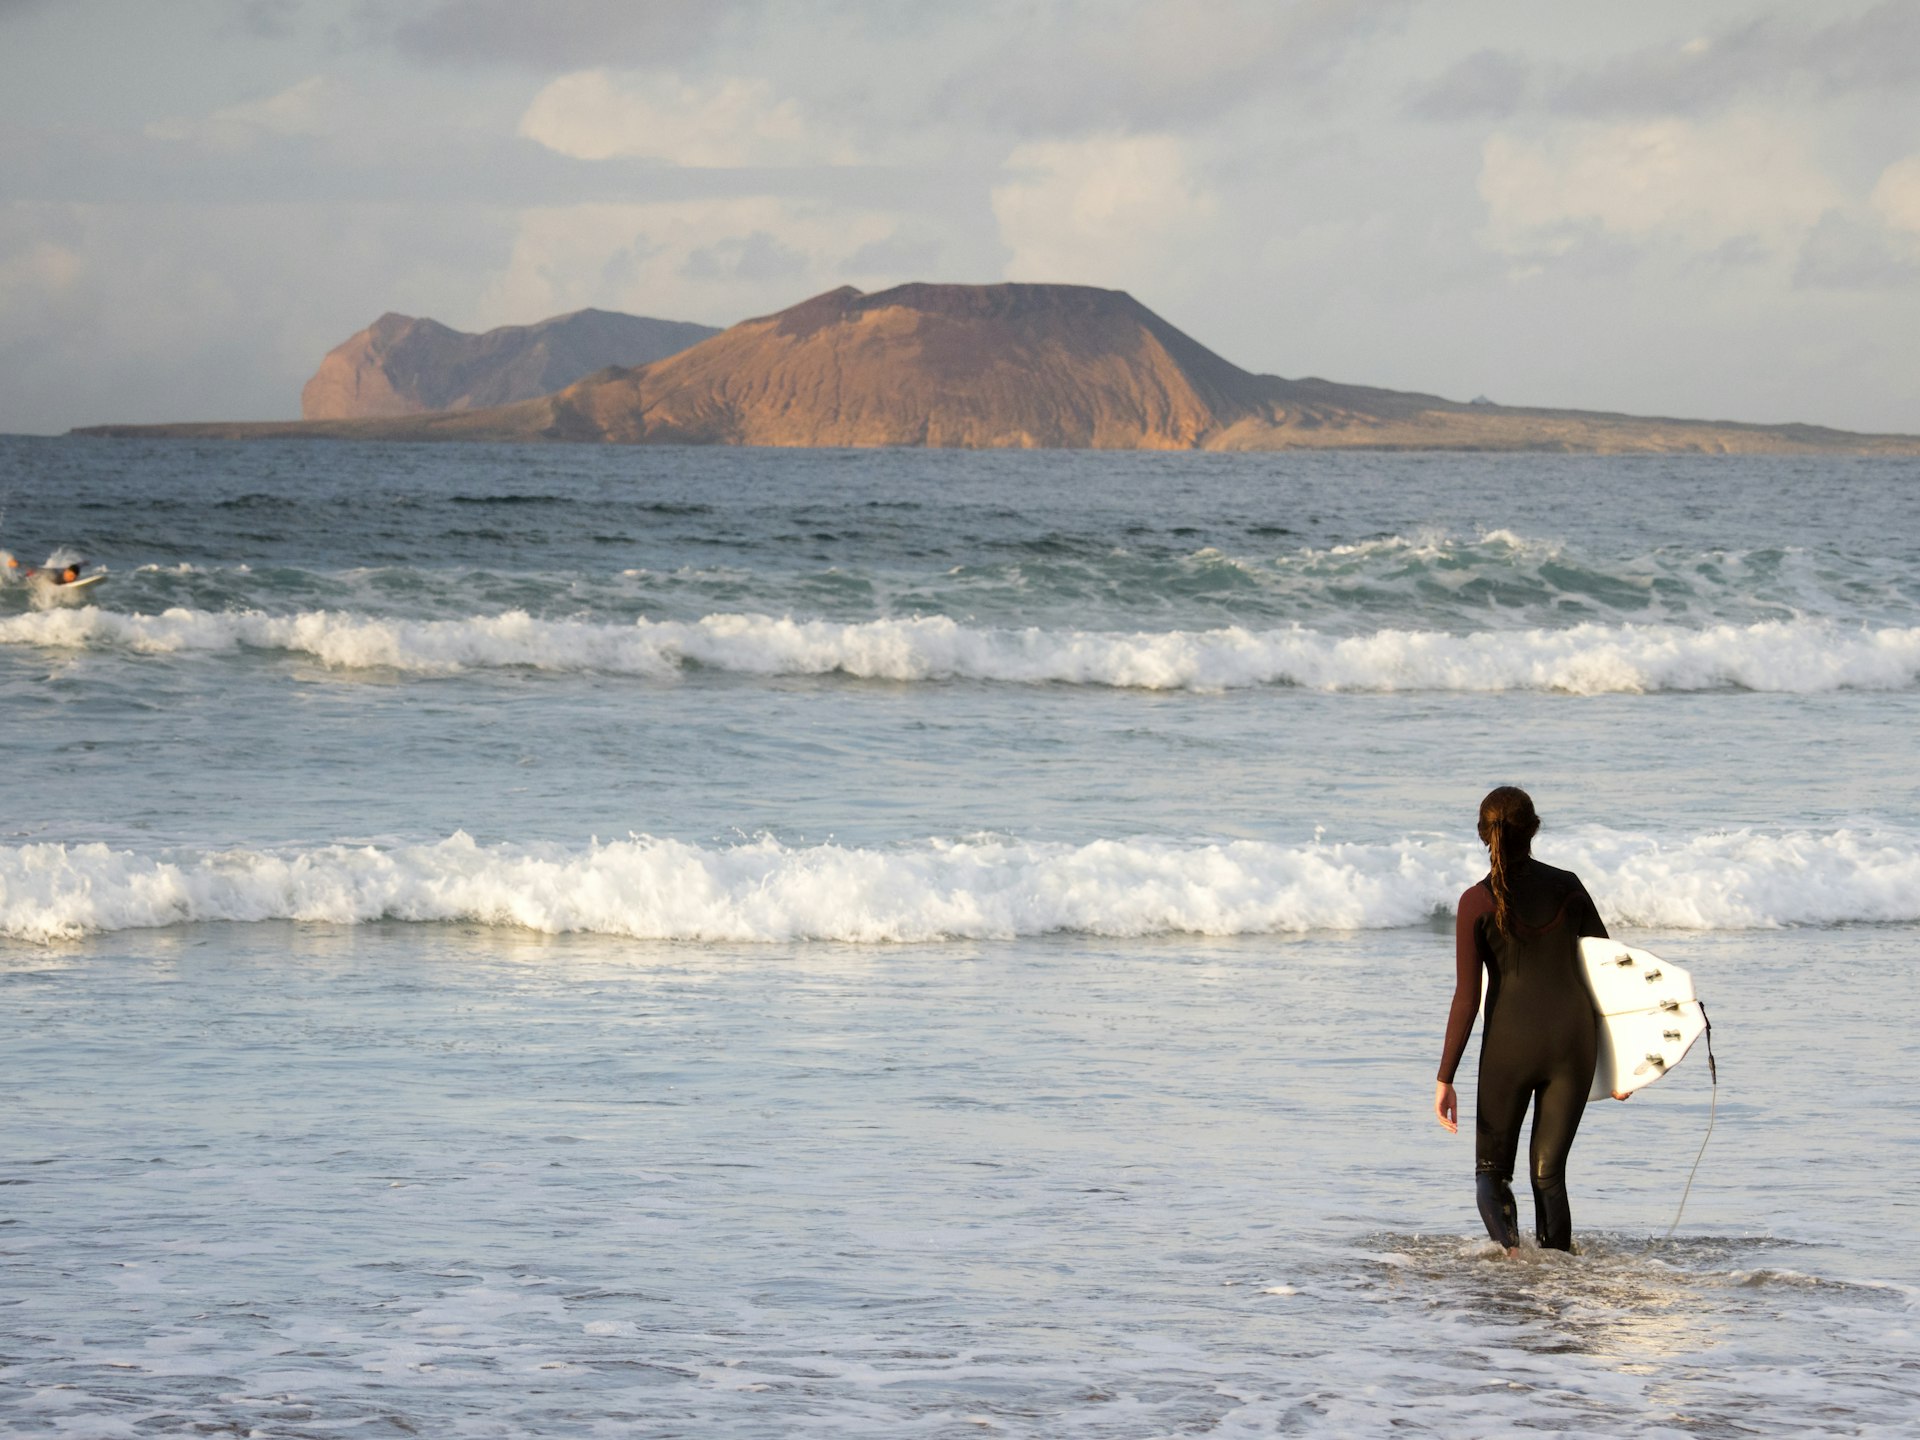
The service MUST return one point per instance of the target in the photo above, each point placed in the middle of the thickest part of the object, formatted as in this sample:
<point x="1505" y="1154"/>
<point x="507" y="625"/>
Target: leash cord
<point x="1713" y="1106"/>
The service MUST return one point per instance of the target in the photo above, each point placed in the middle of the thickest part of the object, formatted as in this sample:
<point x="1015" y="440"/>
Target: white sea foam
<point x="661" y="889"/>
<point x="1434" y="544"/>
<point x="1798" y="656"/>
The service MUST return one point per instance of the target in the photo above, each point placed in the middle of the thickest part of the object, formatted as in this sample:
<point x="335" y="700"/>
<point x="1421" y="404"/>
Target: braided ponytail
<point x="1507" y="825"/>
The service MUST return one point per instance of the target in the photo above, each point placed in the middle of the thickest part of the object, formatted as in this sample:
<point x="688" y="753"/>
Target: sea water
<point x="584" y="941"/>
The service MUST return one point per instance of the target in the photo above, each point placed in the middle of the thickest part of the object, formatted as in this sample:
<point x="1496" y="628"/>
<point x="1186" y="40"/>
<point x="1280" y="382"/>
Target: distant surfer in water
<point x="1522" y="925"/>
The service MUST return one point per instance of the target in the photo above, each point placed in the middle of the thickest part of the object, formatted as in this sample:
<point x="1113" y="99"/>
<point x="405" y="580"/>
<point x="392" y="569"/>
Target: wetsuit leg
<point x="1556" y="1119"/>
<point x="1497" y="1210"/>
<point x="1499" y="1109"/>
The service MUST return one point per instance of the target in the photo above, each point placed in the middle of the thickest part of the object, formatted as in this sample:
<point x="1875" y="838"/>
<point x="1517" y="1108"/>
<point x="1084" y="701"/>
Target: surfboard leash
<point x="1713" y="1106"/>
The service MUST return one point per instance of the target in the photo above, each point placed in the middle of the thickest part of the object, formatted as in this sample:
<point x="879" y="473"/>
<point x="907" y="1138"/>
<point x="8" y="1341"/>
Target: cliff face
<point x="1064" y="366"/>
<point x="400" y="365"/>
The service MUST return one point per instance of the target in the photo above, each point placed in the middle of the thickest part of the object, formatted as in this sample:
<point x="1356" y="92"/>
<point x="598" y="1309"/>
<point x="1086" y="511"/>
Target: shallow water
<point x="309" y="1178"/>
<point x="565" y="941"/>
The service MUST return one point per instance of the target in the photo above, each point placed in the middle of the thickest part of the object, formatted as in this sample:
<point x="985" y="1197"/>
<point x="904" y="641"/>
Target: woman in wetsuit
<point x="1522" y="925"/>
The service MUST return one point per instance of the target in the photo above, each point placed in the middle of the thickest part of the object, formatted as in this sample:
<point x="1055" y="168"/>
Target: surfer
<point x="1522" y="925"/>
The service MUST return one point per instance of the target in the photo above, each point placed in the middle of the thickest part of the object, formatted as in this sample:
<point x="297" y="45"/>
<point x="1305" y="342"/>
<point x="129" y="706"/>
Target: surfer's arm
<point x="1468" y="959"/>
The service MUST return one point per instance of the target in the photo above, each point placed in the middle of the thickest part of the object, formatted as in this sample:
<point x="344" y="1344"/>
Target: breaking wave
<point x="1803" y="656"/>
<point x="985" y="887"/>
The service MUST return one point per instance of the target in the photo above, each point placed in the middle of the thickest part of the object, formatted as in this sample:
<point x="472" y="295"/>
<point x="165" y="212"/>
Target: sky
<point x="1704" y="208"/>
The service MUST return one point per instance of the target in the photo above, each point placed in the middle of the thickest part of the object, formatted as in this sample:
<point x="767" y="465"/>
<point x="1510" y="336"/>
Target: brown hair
<point x="1507" y="824"/>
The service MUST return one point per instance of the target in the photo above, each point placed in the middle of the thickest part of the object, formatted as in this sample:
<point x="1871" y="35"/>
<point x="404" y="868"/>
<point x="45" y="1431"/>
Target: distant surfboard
<point x="1648" y="1016"/>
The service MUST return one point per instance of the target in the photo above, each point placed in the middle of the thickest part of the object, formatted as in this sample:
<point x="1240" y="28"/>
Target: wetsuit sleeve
<point x="1469" y="958"/>
<point x="1586" y="915"/>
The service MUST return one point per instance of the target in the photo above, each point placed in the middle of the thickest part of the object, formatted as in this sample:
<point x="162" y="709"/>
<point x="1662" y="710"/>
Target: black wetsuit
<point x="1539" y="1040"/>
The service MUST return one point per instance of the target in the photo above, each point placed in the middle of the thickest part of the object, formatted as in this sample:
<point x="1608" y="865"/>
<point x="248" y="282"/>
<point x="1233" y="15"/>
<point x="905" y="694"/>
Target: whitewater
<point x="980" y="888"/>
<point x="1804" y="656"/>
<point x="570" y="941"/>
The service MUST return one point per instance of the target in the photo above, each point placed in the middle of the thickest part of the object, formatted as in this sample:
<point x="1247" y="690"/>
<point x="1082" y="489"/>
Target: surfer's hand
<point x="1447" y="1106"/>
<point x="1623" y="1094"/>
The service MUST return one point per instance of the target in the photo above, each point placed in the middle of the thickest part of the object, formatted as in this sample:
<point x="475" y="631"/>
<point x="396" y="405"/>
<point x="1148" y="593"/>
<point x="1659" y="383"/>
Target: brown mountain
<point x="938" y="365"/>
<point x="1023" y="366"/>
<point x="403" y="365"/>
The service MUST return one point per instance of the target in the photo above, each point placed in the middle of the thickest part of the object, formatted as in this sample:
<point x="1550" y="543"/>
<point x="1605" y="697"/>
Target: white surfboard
<point x="1648" y="1016"/>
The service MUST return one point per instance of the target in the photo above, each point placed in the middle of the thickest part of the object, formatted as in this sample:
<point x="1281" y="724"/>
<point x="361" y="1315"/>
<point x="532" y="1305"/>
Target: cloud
<point x="751" y="257"/>
<point x="1076" y="67"/>
<point x="556" y="35"/>
<point x="314" y="106"/>
<point x="927" y="85"/>
<point x="1896" y="196"/>
<point x="908" y="253"/>
<point x="1847" y="252"/>
<point x="1650" y="182"/>
<point x="1758" y="60"/>
<point x="1488" y="84"/>
<point x="193" y="162"/>
<point x="307" y="108"/>
<point x="595" y="115"/>
<point x="1740" y="250"/>
<point x="1873" y="248"/>
<point x="1052" y="67"/>
<point x="1112" y="210"/>
<point x="268" y="19"/>
<point x="41" y="273"/>
<point x="1878" y="48"/>
<point x="168" y="311"/>
<point x="714" y="261"/>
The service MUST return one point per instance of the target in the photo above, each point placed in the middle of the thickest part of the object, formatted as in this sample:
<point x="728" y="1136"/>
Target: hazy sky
<point x="1696" y="207"/>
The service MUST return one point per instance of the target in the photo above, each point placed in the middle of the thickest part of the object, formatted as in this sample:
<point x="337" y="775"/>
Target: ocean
<point x="735" y="943"/>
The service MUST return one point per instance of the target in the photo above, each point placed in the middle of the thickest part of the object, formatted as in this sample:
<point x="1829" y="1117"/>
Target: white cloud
<point x="714" y="261"/>
<point x="168" y="311"/>
<point x="1073" y="68"/>
<point x="311" y="107"/>
<point x="307" y="108"/>
<point x="1701" y="185"/>
<point x="1113" y="210"/>
<point x="1870" y="247"/>
<point x="598" y="115"/>
<point x="1896" y="196"/>
<point x="41" y="271"/>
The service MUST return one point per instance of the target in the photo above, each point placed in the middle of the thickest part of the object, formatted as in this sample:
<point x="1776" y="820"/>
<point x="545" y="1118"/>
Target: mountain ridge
<point x="414" y="365"/>
<point x="1016" y="366"/>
